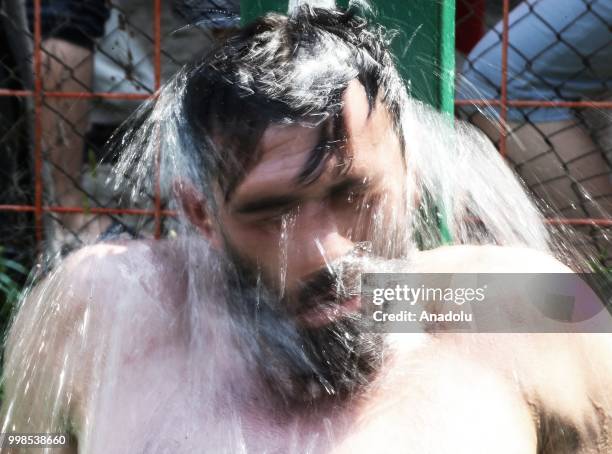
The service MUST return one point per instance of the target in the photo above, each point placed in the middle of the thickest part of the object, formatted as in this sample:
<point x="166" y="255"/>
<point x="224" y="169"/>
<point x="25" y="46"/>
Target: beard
<point x="301" y="364"/>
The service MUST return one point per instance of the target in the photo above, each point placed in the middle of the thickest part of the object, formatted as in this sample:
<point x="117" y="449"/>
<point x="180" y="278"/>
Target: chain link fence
<point x="71" y="72"/>
<point x="536" y="77"/>
<point x="80" y="69"/>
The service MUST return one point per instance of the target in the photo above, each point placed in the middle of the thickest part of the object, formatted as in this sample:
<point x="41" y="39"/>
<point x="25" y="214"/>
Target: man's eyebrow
<point x="265" y="204"/>
<point x="330" y="143"/>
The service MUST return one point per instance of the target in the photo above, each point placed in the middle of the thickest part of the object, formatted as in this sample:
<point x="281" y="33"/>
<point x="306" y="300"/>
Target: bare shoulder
<point x="98" y="282"/>
<point x="487" y="259"/>
<point x="564" y="376"/>
<point x="103" y="261"/>
<point x="84" y="279"/>
<point x="118" y="272"/>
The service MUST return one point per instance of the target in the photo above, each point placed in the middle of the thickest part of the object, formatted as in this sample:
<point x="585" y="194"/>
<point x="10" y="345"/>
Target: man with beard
<point x="243" y="334"/>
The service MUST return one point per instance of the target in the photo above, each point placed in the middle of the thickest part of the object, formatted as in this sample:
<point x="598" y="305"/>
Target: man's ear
<point x="194" y="205"/>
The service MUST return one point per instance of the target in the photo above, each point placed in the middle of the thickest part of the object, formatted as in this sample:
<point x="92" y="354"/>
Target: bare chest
<point x="173" y="414"/>
<point x="170" y="402"/>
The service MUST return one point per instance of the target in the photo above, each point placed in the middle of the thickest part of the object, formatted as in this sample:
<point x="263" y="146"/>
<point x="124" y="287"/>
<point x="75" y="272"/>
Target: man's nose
<point x="319" y="239"/>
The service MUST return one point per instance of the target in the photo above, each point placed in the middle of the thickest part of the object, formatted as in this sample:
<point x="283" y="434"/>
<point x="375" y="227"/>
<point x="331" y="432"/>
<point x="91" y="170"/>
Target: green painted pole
<point x="447" y="84"/>
<point x="447" y="56"/>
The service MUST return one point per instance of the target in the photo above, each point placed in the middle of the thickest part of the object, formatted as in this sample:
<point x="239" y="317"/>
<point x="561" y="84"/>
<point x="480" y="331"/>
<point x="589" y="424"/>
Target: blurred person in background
<point x="558" y="51"/>
<point x="110" y="49"/>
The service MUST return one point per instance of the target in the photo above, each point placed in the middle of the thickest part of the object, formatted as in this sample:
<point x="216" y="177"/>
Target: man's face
<point x="288" y="231"/>
<point x="292" y="269"/>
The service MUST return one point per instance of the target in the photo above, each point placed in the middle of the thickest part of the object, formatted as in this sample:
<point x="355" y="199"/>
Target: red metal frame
<point x="38" y="99"/>
<point x="157" y="62"/>
<point x="75" y="94"/>
<point x="534" y="103"/>
<point x="38" y="94"/>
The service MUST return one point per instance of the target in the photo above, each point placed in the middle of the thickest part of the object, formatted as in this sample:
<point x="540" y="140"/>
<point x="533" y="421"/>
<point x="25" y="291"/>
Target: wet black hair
<point x="281" y="70"/>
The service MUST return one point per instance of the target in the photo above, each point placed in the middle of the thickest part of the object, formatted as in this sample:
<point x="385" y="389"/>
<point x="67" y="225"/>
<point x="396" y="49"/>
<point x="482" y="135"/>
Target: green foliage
<point x="602" y="277"/>
<point x="11" y="274"/>
<point x="598" y="264"/>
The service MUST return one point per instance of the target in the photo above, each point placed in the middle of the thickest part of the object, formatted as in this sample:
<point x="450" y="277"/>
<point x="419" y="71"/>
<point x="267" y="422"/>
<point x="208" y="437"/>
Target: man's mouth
<point x="326" y="312"/>
<point x="330" y="294"/>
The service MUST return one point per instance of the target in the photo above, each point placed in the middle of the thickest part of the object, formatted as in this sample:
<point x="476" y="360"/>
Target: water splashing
<point x="135" y="347"/>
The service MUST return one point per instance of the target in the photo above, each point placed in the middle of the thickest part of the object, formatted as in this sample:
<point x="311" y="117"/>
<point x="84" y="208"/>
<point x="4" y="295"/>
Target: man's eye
<point x="350" y="195"/>
<point x="274" y="219"/>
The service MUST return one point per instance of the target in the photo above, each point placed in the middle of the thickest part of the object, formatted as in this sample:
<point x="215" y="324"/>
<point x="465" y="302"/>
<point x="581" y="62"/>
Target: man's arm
<point x="58" y="343"/>
<point x="51" y="348"/>
<point x="39" y="374"/>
